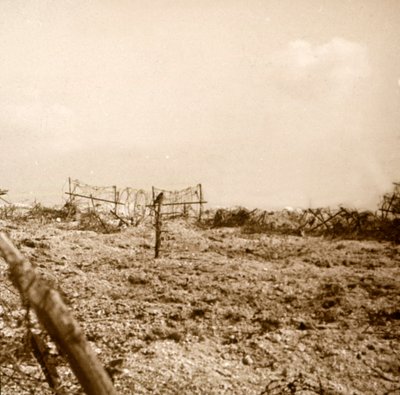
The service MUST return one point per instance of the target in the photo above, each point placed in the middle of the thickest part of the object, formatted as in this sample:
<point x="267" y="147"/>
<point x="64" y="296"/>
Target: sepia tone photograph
<point x="199" y="197"/>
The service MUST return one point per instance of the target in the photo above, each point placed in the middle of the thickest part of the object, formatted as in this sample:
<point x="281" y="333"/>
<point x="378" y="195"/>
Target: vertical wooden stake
<point x="157" y="223"/>
<point x="201" y="200"/>
<point x="70" y="199"/>
<point x="115" y="198"/>
<point x="70" y="190"/>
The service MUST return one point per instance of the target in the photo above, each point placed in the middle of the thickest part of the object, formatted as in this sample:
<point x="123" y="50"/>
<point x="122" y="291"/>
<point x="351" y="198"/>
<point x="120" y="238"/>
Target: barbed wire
<point x="178" y="202"/>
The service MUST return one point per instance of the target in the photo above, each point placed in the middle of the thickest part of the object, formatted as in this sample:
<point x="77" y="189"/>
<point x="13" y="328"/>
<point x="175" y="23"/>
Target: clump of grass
<point x="8" y="211"/>
<point x="38" y="211"/>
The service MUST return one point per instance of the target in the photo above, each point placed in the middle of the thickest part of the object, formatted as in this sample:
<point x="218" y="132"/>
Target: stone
<point x="247" y="360"/>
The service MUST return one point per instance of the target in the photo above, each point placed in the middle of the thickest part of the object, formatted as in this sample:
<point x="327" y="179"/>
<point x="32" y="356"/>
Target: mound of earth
<point x="221" y="312"/>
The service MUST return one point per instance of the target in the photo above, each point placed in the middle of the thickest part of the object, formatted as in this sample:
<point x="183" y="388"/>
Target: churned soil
<point x="220" y="312"/>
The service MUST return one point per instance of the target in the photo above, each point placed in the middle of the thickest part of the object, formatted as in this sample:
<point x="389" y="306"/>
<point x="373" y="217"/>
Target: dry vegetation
<point x="225" y="310"/>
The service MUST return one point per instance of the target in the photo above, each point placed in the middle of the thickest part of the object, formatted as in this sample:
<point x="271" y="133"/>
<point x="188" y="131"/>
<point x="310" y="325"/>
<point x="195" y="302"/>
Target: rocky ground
<point x="220" y="312"/>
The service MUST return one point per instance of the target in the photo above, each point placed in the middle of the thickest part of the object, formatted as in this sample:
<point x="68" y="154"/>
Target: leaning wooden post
<point x="56" y="318"/>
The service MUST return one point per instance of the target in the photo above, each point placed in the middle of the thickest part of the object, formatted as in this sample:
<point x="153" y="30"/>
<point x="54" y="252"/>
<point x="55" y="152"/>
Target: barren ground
<point x="221" y="312"/>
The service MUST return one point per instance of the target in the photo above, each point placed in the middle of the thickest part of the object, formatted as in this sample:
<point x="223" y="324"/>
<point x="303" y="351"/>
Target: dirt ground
<point x="220" y="312"/>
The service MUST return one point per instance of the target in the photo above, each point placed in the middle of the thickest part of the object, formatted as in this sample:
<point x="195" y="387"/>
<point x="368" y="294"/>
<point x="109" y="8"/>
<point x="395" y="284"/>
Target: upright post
<point x="201" y="202"/>
<point x="70" y="198"/>
<point x="157" y="223"/>
<point x="115" y="198"/>
<point x="70" y="190"/>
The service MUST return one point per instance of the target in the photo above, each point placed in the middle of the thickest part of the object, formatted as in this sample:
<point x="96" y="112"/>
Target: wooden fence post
<point x="70" y="190"/>
<point x="201" y="202"/>
<point x="115" y="198"/>
<point x="157" y="203"/>
<point x="56" y="318"/>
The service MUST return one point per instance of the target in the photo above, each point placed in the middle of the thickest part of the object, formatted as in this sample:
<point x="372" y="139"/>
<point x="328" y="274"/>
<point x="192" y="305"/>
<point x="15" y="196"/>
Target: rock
<point x="139" y="278"/>
<point x="28" y="243"/>
<point x="247" y="360"/>
<point x="116" y="363"/>
<point x="305" y="325"/>
<point x="370" y="346"/>
<point x="301" y="347"/>
<point x="83" y="264"/>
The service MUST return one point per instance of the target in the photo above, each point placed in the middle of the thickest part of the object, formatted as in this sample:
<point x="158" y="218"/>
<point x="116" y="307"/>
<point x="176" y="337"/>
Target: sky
<point x="268" y="104"/>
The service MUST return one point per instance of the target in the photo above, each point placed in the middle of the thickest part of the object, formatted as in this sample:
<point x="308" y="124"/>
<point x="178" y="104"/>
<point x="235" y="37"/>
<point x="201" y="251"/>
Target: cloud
<point x="304" y="70"/>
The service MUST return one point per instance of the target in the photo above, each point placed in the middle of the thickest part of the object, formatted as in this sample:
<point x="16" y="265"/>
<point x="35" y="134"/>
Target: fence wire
<point x="128" y="202"/>
<point x="186" y="202"/>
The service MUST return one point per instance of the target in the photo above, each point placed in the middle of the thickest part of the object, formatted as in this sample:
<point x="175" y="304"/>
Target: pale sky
<point x="266" y="103"/>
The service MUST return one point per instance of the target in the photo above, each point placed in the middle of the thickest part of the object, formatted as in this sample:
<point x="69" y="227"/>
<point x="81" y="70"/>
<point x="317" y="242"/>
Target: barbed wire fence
<point x="128" y="203"/>
<point x="87" y="196"/>
<point x="390" y="203"/>
<point x="186" y="202"/>
<point x="134" y="204"/>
